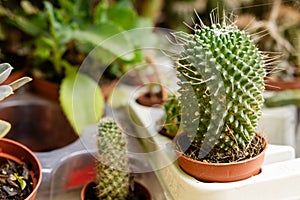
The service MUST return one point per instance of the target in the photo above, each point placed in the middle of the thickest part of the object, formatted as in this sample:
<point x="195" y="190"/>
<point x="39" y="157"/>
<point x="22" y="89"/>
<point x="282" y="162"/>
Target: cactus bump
<point x="112" y="167"/>
<point x="221" y="83"/>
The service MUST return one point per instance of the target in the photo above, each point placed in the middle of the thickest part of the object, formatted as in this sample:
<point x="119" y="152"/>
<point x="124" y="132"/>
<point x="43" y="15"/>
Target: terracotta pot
<point x="46" y="89"/>
<point x="280" y="85"/>
<point x="221" y="172"/>
<point x="50" y="90"/>
<point x="140" y="191"/>
<point x="145" y="100"/>
<point x="23" y="110"/>
<point x="15" y="75"/>
<point x="108" y="87"/>
<point x="10" y="149"/>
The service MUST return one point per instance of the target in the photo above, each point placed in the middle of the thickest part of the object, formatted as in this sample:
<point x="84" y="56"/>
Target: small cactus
<point x="113" y="167"/>
<point x="221" y="79"/>
<point x="173" y="116"/>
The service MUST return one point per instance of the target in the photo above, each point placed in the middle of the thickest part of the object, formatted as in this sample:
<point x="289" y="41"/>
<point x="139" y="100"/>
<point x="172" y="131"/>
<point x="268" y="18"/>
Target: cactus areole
<point x="221" y="81"/>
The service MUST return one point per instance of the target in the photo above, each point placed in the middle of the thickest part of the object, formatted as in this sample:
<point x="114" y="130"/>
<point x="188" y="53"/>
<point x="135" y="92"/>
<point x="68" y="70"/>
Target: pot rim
<point x="180" y="153"/>
<point x="35" y="159"/>
<point x="83" y="190"/>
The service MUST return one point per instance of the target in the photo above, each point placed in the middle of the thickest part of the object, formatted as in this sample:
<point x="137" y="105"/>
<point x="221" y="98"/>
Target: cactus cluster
<point x="113" y="179"/>
<point x="221" y="81"/>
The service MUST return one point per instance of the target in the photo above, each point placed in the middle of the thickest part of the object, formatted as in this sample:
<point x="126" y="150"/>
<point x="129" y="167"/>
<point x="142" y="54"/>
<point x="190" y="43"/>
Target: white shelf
<point x="279" y="179"/>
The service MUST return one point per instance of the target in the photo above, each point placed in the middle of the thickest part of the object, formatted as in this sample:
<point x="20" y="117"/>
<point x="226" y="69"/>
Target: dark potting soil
<point x="10" y="186"/>
<point x="139" y="193"/>
<point x="216" y="155"/>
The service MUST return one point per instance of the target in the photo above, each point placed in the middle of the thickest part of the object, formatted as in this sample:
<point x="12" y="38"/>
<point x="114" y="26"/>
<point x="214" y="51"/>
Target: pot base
<point x="221" y="172"/>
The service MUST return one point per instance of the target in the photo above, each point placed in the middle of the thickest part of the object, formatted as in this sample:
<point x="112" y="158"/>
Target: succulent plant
<point x="221" y="79"/>
<point x="173" y="116"/>
<point x="113" y="179"/>
<point x="7" y="90"/>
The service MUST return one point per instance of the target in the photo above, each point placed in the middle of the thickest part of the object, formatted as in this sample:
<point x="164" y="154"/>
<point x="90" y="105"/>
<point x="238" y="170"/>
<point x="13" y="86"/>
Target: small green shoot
<point x="21" y="181"/>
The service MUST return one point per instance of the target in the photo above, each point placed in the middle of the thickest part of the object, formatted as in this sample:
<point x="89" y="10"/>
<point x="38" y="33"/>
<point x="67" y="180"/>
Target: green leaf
<point x="81" y="100"/>
<point x="5" y="91"/>
<point x="19" y="82"/>
<point x="29" y="8"/>
<point x="5" y="70"/>
<point x="43" y="47"/>
<point x="284" y="98"/>
<point x="110" y="37"/>
<point x="100" y="14"/>
<point x="21" y="181"/>
<point x="4" y="128"/>
<point x="124" y="17"/>
<point x="25" y="24"/>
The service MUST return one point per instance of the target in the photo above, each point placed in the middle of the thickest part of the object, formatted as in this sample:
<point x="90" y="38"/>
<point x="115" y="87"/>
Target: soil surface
<point x="216" y="155"/>
<point x="12" y="177"/>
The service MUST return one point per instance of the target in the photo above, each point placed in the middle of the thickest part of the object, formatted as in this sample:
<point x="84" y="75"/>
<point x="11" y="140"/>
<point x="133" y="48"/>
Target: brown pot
<point x="50" y="90"/>
<point x="46" y="89"/>
<point x="221" y="172"/>
<point x="140" y="191"/>
<point x="145" y="100"/>
<point x="15" y="75"/>
<point x="108" y="88"/>
<point x="12" y="150"/>
<point x="280" y="85"/>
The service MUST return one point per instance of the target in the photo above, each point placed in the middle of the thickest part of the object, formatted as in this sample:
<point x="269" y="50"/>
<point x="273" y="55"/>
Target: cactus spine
<point x="221" y="75"/>
<point x="112" y="166"/>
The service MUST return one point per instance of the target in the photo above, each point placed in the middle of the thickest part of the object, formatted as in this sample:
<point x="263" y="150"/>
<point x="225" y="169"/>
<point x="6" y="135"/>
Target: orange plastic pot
<point x="221" y="172"/>
<point x="12" y="150"/>
<point x="280" y="85"/>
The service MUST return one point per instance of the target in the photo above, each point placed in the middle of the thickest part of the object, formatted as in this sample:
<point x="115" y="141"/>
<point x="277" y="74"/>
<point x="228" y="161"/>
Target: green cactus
<point x="173" y="116"/>
<point x="113" y="167"/>
<point x="221" y="75"/>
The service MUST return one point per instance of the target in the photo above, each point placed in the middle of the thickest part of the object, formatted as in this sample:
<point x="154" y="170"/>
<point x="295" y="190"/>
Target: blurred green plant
<point x="284" y="98"/>
<point x="64" y="34"/>
<point x="61" y="35"/>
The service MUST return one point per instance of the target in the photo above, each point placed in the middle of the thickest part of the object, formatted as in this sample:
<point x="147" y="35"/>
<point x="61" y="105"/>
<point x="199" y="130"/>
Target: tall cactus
<point x="113" y="166"/>
<point x="221" y="75"/>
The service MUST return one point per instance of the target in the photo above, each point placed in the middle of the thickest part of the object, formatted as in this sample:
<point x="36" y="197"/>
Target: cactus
<point x="113" y="171"/>
<point x="173" y="116"/>
<point x="221" y="81"/>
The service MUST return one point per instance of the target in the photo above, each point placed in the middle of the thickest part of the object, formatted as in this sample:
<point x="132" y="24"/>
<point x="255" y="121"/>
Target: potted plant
<point x="172" y="121"/>
<point x="113" y="179"/>
<point x="20" y="170"/>
<point x="221" y="82"/>
<point x="52" y="58"/>
<point x="57" y="43"/>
